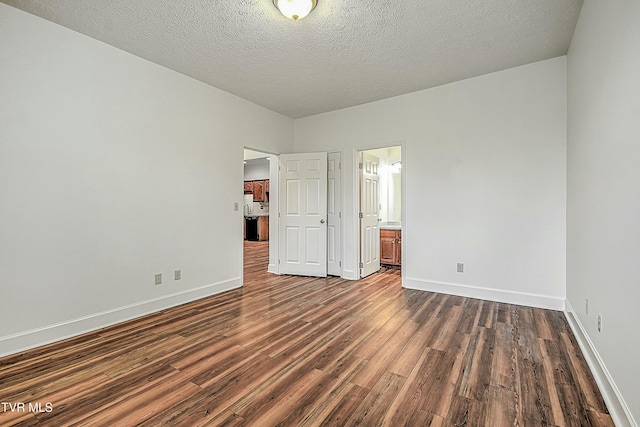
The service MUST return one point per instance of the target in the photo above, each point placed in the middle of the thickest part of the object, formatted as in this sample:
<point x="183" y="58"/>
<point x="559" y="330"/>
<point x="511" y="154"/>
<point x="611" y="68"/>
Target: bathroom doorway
<point x="380" y="209"/>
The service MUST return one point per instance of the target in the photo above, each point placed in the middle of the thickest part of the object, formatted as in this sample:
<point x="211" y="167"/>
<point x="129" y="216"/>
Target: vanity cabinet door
<point x="390" y="247"/>
<point x="387" y="246"/>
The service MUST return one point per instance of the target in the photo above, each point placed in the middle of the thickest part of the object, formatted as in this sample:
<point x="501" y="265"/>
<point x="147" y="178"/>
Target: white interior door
<point x="369" y="215"/>
<point x="303" y="214"/>
<point x="334" y="215"/>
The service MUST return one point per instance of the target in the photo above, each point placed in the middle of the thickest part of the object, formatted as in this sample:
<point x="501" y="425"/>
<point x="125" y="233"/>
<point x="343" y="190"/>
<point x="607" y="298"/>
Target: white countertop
<point x="391" y="225"/>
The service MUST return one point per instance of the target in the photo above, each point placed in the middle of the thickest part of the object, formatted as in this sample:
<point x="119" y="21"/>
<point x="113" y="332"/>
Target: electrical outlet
<point x="177" y="274"/>
<point x="586" y="306"/>
<point x="159" y="279"/>
<point x="599" y="322"/>
<point x="460" y="267"/>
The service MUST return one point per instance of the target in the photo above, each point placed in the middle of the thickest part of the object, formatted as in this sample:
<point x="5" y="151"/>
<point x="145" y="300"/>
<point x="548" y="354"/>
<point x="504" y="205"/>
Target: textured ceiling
<point x="345" y="53"/>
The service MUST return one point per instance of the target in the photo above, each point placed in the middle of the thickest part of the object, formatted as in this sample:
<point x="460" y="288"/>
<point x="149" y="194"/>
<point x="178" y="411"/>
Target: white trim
<point x="357" y="176"/>
<point x="15" y="343"/>
<point x="499" y="295"/>
<point x="339" y="228"/>
<point x="403" y="210"/>
<point x="274" y="214"/>
<point x="618" y="409"/>
<point x="349" y="274"/>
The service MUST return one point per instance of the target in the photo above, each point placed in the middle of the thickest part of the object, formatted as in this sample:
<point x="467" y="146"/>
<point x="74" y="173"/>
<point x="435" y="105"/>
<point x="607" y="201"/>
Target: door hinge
<point x="339" y="214"/>
<point x="340" y="263"/>
<point x="361" y="215"/>
<point x="361" y="265"/>
<point x="279" y="262"/>
<point x="360" y="166"/>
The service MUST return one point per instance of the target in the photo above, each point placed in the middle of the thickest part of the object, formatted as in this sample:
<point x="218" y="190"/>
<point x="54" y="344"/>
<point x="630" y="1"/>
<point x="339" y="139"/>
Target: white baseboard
<point x="26" y="340"/>
<point x="271" y="268"/>
<point x="618" y="409"/>
<point x="498" y="295"/>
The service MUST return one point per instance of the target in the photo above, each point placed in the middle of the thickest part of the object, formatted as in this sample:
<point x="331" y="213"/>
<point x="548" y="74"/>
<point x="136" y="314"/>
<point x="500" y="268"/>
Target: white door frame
<point x="334" y="214"/>
<point x="274" y="209"/>
<point x="356" y="202"/>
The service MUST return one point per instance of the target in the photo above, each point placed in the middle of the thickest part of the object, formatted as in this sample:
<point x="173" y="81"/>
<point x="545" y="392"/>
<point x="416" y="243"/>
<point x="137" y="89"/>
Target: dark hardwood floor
<point x="301" y="351"/>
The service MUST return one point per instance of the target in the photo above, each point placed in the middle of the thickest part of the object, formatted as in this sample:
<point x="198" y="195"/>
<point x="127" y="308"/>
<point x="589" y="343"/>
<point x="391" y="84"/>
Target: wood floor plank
<point x="305" y="351"/>
<point x="501" y="407"/>
<point x="344" y="408"/>
<point x="488" y="314"/>
<point x="142" y="406"/>
<point x="214" y="400"/>
<point x="295" y="401"/>
<point x="375" y="405"/>
<point x="229" y="419"/>
<point x="556" y="407"/>
<point x="108" y="395"/>
<point x="470" y="313"/>
<point x="469" y="412"/>
<point x="503" y="369"/>
<point x="444" y="383"/>
<point x="412" y="352"/>
<point x="577" y="363"/>
<point x="426" y="384"/>
<point x="427" y="419"/>
<point x="386" y="353"/>
<point x="478" y="365"/>
<point x="407" y="402"/>
<point x="449" y="325"/>
<point x="17" y="417"/>
<point x="335" y="388"/>
<point x="536" y="405"/>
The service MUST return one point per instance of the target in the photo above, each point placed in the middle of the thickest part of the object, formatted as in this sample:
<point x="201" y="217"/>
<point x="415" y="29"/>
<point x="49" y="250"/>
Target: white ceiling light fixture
<point x="295" y="9"/>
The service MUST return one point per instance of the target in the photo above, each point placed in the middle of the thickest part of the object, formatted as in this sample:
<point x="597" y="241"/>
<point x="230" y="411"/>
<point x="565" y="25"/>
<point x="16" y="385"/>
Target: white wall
<point x="484" y="163"/>
<point x="603" y="211"/>
<point x="109" y="173"/>
<point x="256" y="169"/>
<point x="389" y="183"/>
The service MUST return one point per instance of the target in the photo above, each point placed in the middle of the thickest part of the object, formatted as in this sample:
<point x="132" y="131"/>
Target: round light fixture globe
<point x="295" y="9"/>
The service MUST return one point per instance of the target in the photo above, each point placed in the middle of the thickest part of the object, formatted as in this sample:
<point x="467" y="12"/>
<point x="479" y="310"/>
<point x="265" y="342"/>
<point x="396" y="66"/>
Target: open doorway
<point x="269" y="173"/>
<point x="256" y="212"/>
<point x="380" y="209"/>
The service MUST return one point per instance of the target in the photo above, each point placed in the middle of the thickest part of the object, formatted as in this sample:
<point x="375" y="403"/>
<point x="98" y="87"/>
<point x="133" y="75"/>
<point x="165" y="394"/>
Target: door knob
<point x="322" y="221"/>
